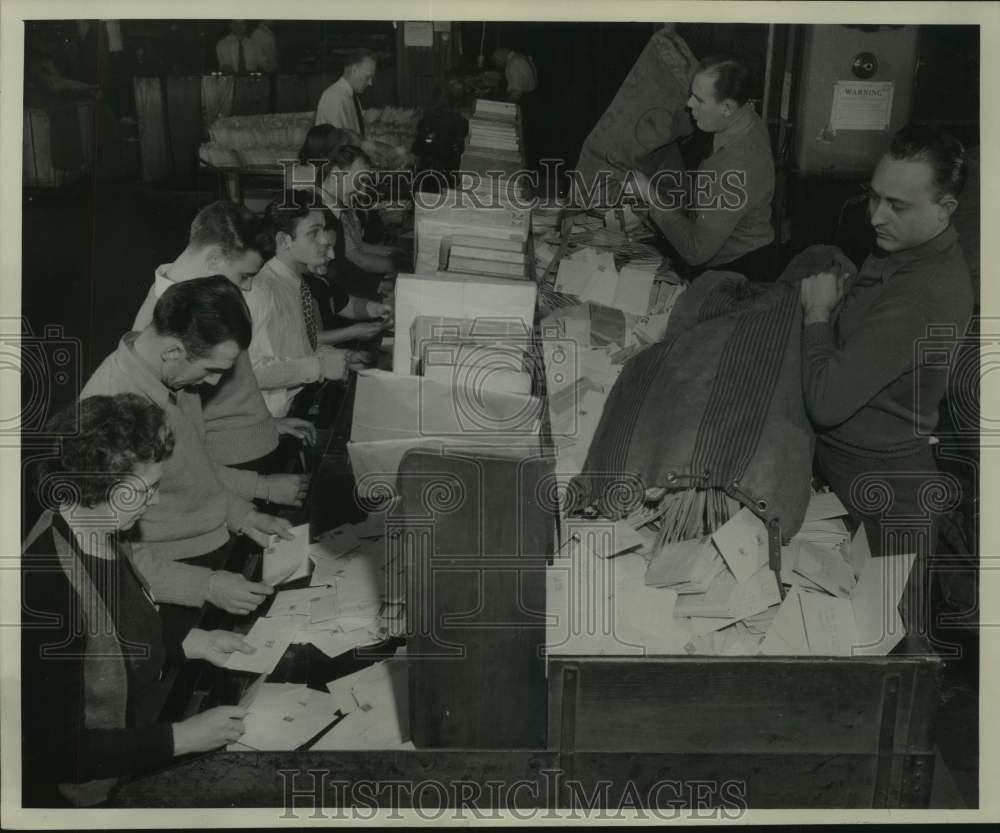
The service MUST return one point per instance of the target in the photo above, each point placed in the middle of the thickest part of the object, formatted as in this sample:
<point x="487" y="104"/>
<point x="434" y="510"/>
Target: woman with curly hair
<point x="93" y="658"/>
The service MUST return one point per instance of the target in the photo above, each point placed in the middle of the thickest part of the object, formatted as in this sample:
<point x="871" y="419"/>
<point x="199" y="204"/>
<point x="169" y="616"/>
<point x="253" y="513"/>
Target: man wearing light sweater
<point x="198" y="330"/>
<point x="227" y="239"/>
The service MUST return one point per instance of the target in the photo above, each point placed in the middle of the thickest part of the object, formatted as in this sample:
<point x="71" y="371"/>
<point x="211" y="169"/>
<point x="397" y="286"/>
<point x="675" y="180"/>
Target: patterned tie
<point x="310" y="309"/>
<point x="241" y="61"/>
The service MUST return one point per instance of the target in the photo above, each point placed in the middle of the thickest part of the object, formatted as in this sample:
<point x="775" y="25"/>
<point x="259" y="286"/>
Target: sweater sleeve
<point x="242" y="483"/>
<point x="700" y="234"/>
<point x="839" y="382"/>
<point x="62" y="748"/>
<point x="172" y="582"/>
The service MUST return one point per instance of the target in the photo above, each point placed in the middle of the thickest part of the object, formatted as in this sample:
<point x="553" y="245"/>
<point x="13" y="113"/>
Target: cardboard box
<point x="483" y="300"/>
<point x="393" y="406"/>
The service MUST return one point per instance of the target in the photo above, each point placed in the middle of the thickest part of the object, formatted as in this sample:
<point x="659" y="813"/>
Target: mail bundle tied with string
<point x="713" y="416"/>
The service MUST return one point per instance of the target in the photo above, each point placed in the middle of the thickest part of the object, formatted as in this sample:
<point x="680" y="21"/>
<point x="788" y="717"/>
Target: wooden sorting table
<point x="488" y="707"/>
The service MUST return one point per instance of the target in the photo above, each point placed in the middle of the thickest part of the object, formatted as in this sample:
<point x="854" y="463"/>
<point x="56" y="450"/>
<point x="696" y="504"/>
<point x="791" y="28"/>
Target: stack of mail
<point x="839" y="601"/>
<point x="377" y="710"/>
<point x="591" y="275"/>
<point x="443" y="216"/>
<point x="285" y="716"/>
<point x="495" y="128"/>
<point x="357" y="597"/>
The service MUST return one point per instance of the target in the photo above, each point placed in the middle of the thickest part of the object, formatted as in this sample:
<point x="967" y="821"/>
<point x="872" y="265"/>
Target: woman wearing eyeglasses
<point x="93" y="658"/>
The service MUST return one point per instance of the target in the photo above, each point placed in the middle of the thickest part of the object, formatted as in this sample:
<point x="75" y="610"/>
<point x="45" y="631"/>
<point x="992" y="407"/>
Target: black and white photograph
<point x="515" y="414"/>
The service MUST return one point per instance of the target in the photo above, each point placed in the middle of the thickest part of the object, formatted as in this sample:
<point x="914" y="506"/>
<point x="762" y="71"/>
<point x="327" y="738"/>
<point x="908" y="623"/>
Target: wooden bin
<point x="782" y="732"/>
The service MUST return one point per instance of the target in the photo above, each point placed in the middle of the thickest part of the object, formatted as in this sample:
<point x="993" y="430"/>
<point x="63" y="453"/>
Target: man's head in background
<point x="360" y="70"/>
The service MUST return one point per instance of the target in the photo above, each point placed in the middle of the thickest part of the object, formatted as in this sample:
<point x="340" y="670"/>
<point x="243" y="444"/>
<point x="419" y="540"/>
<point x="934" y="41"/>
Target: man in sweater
<point x="289" y="350"/>
<point x="227" y="239"/>
<point x="721" y="217"/>
<point x="872" y="395"/>
<point x="197" y="332"/>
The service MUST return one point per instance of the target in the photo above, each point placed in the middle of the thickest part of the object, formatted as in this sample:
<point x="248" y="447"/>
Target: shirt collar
<point x="740" y="125"/>
<point x="345" y="85"/>
<point x="161" y="283"/>
<point x="141" y="374"/>
<point x="282" y="270"/>
<point x="887" y="265"/>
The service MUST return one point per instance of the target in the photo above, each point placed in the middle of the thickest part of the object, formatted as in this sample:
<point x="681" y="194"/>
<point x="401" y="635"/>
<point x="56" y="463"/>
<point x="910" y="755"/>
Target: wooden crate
<point x="793" y="731"/>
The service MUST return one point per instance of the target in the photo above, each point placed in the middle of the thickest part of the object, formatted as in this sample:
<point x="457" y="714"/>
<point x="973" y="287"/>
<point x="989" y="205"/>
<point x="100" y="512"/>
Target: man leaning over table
<point x="198" y="329"/>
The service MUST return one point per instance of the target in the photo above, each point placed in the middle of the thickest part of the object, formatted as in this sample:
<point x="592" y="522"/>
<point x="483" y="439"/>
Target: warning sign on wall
<point x="861" y="105"/>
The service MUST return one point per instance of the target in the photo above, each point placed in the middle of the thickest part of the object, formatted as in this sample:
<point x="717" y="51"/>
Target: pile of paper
<point x="473" y="255"/>
<point x="838" y="602"/>
<point x="444" y="216"/>
<point x="495" y="127"/>
<point x="377" y="708"/>
<point x="591" y="276"/>
<point x="285" y="716"/>
<point x="358" y="591"/>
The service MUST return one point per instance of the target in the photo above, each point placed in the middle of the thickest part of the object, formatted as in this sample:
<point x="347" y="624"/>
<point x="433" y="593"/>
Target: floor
<point x="89" y="251"/>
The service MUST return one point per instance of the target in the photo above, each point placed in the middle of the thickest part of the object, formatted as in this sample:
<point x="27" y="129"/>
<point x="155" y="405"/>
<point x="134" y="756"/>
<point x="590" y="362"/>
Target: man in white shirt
<point x="519" y="70"/>
<point x="238" y="53"/>
<point x="263" y="38"/>
<point x="286" y="350"/>
<point x="340" y="106"/>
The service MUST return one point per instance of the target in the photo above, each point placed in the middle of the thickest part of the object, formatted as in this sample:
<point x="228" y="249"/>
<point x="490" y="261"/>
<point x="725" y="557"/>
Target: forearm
<point x="377" y="264"/>
<point x="697" y="239"/>
<point x="172" y="582"/>
<point x="274" y="373"/>
<point x="839" y="380"/>
<point x="245" y="484"/>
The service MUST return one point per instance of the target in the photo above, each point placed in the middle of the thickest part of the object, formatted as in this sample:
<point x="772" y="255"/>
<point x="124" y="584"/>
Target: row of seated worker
<point x="184" y="439"/>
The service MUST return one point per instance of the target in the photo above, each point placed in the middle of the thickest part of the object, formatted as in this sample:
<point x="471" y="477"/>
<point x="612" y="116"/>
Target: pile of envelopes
<point x="356" y="596"/>
<point x="718" y="596"/>
<point x="365" y="710"/>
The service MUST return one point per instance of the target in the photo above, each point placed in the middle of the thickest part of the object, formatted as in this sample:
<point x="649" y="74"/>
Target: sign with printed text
<point x="861" y="105"/>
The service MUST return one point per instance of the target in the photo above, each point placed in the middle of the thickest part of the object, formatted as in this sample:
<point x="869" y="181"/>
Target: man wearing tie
<point x="340" y="104"/>
<point x="238" y="53"/>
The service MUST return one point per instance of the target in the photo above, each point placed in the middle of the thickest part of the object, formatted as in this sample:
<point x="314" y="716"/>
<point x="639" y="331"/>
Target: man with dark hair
<point x="198" y="329"/>
<point x="227" y="239"/>
<point x="872" y="395"/>
<point x="340" y="104"/>
<point x="290" y="350"/>
<point x="722" y="218"/>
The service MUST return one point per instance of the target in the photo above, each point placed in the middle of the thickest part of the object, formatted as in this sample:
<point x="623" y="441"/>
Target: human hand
<point x="214" y="646"/>
<point x="643" y="187"/>
<point x="333" y="364"/>
<point x="360" y="359"/>
<point x="375" y="309"/>
<point x="287" y="489"/>
<point x="234" y="593"/>
<point x="819" y="294"/>
<point x="365" y="330"/>
<point x="259" y="527"/>
<point x="302" y="429"/>
<point x="209" y="730"/>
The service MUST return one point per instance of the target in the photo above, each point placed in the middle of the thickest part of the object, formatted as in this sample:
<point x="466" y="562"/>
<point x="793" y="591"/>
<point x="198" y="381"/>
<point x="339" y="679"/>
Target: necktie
<point x="241" y="61"/>
<point x="361" y="116"/>
<point x="309" y="311"/>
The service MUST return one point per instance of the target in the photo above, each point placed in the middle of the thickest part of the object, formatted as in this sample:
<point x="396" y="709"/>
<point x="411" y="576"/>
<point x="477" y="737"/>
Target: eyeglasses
<point x="149" y="493"/>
